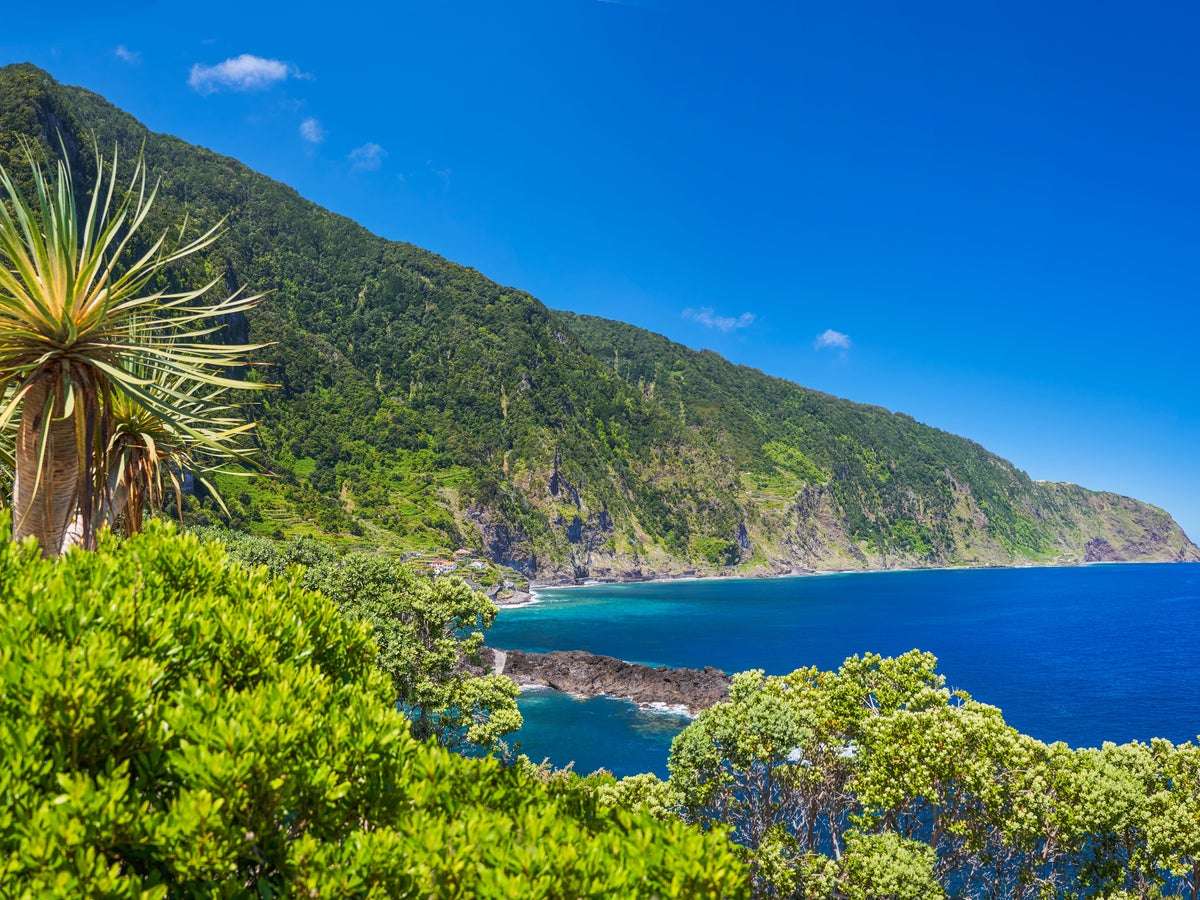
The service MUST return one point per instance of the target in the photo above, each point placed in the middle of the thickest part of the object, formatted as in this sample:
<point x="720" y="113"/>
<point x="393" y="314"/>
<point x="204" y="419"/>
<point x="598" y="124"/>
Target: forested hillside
<point x="423" y="406"/>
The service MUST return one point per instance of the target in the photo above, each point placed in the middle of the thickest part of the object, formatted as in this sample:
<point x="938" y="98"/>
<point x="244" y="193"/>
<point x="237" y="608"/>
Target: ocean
<point x="1083" y="654"/>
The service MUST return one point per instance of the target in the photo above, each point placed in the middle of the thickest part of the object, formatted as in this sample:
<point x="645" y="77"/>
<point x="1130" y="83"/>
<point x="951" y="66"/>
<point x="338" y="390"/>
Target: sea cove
<point x="1080" y="654"/>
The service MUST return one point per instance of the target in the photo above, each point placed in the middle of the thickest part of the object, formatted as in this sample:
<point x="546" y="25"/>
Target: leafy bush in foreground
<point x="424" y="628"/>
<point x="174" y="724"/>
<point x="878" y="781"/>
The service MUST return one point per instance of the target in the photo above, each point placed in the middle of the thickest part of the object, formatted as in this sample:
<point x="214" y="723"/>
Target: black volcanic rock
<point x="592" y="675"/>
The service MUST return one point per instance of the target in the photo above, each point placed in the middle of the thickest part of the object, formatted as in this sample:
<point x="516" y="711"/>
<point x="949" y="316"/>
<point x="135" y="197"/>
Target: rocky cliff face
<point x="797" y="481"/>
<point x="1069" y="525"/>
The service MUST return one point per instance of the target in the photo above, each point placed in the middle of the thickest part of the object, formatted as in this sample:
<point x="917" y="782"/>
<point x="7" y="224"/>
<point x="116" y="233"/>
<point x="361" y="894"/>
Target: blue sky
<point x="984" y="215"/>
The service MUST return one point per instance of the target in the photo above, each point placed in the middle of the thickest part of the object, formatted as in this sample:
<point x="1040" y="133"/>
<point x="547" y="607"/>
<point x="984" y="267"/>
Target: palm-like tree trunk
<point x="115" y="503"/>
<point x="133" y="508"/>
<point x="46" y="507"/>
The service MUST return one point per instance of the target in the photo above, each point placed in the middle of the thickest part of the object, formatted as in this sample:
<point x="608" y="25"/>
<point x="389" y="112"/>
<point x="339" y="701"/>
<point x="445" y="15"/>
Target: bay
<point x="1080" y="654"/>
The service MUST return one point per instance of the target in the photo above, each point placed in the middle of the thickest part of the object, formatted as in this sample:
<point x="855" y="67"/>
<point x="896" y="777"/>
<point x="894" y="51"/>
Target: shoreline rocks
<point x="511" y="598"/>
<point x="592" y="675"/>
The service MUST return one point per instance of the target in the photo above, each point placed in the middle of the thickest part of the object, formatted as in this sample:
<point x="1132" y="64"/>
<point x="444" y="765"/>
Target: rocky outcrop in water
<point x="592" y="675"/>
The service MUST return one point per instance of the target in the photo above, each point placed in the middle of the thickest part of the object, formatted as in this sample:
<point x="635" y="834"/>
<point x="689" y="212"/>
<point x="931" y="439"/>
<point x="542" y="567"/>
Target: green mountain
<point x="425" y="407"/>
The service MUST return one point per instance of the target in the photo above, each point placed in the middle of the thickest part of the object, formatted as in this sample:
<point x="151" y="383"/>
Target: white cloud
<point x="241" y="73"/>
<point x="443" y="174"/>
<point x="706" y="317"/>
<point x="312" y="131"/>
<point x="367" y="158"/>
<point x="124" y="54"/>
<point x="830" y="339"/>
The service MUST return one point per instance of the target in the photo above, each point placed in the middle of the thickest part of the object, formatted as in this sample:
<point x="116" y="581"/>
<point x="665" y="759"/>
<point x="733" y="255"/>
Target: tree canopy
<point x="877" y="780"/>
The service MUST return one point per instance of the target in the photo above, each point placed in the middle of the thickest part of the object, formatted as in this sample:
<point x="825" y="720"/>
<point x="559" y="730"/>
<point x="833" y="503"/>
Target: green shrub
<point x="878" y="781"/>
<point x="715" y="551"/>
<point x="277" y="556"/>
<point x="425" y="629"/>
<point x="792" y="460"/>
<point x="174" y="724"/>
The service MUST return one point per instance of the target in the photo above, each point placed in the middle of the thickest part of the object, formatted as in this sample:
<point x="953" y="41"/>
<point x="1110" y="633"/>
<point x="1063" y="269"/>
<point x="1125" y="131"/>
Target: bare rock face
<point x="592" y="675"/>
<point x="1100" y="550"/>
<point x="512" y="598"/>
<point x="506" y="545"/>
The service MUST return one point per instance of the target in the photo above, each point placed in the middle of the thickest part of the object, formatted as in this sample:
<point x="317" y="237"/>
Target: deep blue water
<point x="1081" y="655"/>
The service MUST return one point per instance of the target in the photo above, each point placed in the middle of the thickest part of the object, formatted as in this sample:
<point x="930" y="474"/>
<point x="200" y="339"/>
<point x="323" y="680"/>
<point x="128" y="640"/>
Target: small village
<point x="502" y="585"/>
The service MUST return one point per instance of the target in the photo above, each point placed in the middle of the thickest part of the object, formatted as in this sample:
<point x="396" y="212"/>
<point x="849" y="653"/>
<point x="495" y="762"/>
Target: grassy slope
<point x="424" y="406"/>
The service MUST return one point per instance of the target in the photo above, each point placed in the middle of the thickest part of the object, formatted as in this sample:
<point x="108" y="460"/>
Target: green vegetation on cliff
<point x="424" y="407"/>
<point x="828" y="481"/>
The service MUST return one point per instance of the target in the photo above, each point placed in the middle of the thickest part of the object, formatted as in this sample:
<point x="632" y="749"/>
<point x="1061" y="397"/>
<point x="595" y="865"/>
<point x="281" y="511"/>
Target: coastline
<point x="586" y="684"/>
<point x="536" y="587"/>
<point x="657" y="707"/>
<point x="583" y="675"/>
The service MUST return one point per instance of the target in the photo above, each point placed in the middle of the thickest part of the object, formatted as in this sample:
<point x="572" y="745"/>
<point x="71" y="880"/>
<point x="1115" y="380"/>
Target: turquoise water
<point x="1082" y="655"/>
